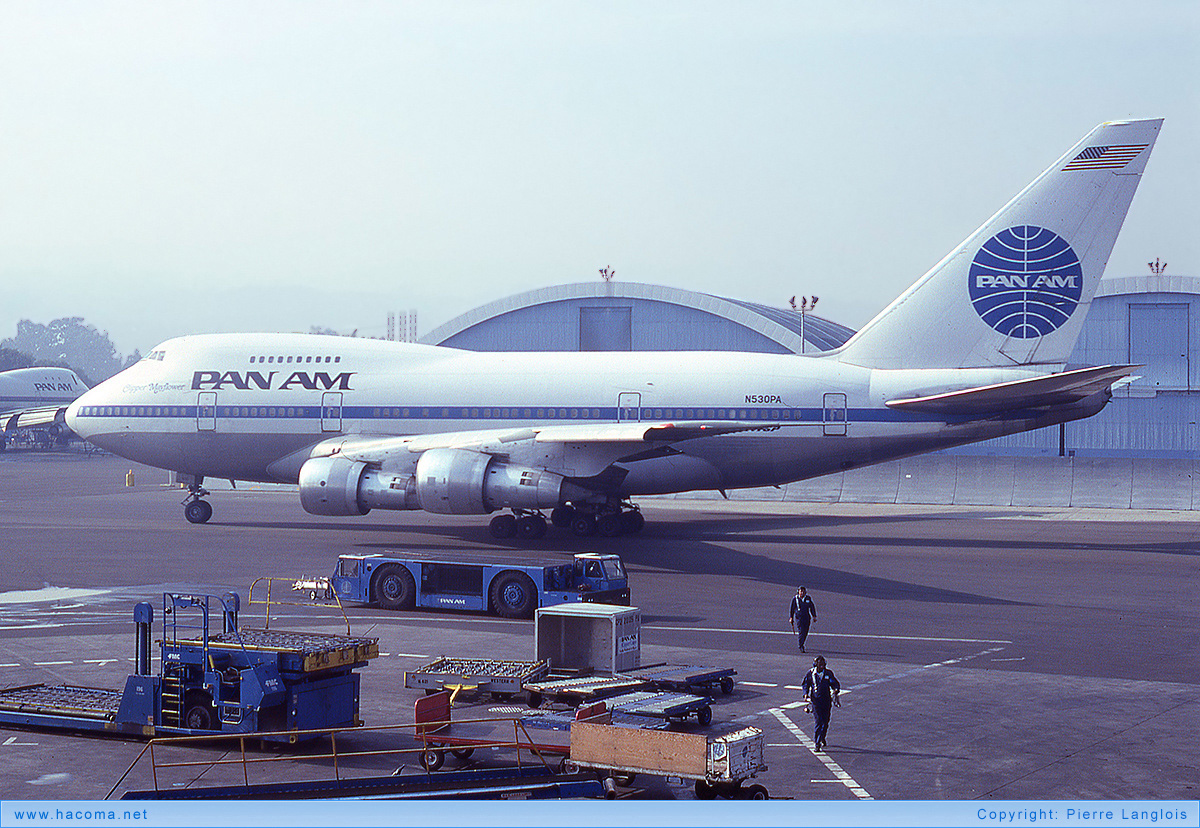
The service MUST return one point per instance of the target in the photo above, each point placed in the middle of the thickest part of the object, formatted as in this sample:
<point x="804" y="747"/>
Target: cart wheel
<point x="432" y="758"/>
<point x="704" y="715"/>
<point x="535" y="699"/>
<point x="565" y="765"/>
<point x="624" y="779"/>
<point x="704" y="790"/>
<point x="755" y="792"/>
<point x="727" y="685"/>
<point x="462" y="753"/>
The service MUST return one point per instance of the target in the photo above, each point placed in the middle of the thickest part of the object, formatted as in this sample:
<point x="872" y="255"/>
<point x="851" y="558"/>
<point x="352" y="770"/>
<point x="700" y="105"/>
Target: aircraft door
<point x="833" y="418"/>
<point x="629" y="407"/>
<point x="331" y="411"/>
<point x="206" y="411"/>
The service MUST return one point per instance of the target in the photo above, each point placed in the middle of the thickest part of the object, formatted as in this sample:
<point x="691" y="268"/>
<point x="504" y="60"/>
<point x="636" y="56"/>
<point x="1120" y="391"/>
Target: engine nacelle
<point x="446" y="481"/>
<point x="339" y="487"/>
<point x="463" y="482"/>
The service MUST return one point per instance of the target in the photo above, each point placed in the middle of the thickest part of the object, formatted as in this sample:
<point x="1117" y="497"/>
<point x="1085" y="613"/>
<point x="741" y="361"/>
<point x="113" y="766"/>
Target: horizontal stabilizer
<point x="1051" y="390"/>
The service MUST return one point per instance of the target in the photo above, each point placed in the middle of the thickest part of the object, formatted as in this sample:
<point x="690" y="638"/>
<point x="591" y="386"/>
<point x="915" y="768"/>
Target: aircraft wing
<point x="1051" y="390"/>
<point x="595" y="445"/>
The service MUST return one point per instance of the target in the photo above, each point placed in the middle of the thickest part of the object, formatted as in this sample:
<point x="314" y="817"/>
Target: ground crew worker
<point x="821" y="689"/>
<point x="803" y="613"/>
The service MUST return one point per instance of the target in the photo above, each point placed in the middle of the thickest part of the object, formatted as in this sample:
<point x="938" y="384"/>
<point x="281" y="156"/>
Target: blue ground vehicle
<point x="219" y="679"/>
<point x="513" y="590"/>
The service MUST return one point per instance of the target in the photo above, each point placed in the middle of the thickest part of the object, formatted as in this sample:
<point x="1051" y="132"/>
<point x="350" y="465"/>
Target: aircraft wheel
<point x="198" y="511"/>
<point x="531" y="527"/>
<point x="514" y="595"/>
<point x="395" y="588"/>
<point x="561" y="517"/>
<point x="610" y="525"/>
<point x="634" y="522"/>
<point x="584" y="526"/>
<point x="503" y="526"/>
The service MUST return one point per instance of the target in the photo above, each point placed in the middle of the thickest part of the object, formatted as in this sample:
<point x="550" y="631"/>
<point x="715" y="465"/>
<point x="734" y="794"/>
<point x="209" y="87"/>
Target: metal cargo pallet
<point x="685" y="677"/>
<point x="663" y="705"/>
<point x="303" y="652"/>
<point x="579" y="689"/>
<point x="484" y="674"/>
<point x="63" y="700"/>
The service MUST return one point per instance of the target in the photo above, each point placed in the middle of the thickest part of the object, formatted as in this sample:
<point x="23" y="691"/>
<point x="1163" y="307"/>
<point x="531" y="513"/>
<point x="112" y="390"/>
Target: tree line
<point x="64" y="343"/>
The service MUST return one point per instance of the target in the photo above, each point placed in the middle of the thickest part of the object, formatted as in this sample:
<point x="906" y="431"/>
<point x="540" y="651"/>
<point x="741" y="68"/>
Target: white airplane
<point x="36" y="398"/>
<point x="975" y="349"/>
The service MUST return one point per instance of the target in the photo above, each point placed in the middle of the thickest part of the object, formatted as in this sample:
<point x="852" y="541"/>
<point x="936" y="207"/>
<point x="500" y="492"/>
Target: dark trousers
<point x="821" y="710"/>
<point x="802" y="633"/>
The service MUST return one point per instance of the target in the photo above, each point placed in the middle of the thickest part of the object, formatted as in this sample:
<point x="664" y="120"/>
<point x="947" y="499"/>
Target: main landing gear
<point x="195" y="509"/>
<point x="608" y="519"/>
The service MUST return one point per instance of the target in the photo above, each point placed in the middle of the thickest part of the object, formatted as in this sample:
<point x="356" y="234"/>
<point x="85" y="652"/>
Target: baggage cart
<point x="685" y="677"/>
<point x="660" y="704"/>
<point x="719" y="763"/>
<point x="576" y="690"/>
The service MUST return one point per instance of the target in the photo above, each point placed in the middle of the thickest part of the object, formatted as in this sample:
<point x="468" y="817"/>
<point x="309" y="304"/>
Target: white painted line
<point x="100" y="661"/>
<point x="1018" y="658"/>
<point x="50" y="663"/>
<point x="832" y="766"/>
<point x="830" y="635"/>
<point x="10" y="665"/>
<point x="915" y="670"/>
<point x="792" y="687"/>
<point x="757" y="684"/>
<point x="834" y="781"/>
<point x="410" y="655"/>
<point x="792" y="705"/>
<point x="12" y="740"/>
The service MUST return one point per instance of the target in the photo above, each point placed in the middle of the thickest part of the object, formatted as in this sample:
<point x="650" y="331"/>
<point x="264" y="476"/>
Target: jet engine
<point x="446" y="481"/>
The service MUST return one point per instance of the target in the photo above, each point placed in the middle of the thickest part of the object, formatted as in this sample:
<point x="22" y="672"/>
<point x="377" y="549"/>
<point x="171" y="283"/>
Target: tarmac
<point x="989" y="652"/>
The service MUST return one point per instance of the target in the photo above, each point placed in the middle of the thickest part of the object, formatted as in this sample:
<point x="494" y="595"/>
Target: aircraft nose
<point x="75" y="421"/>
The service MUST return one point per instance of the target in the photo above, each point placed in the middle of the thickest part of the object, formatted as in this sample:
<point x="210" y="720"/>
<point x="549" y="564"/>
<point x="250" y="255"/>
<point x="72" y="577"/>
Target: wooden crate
<point x="650" y="751"/>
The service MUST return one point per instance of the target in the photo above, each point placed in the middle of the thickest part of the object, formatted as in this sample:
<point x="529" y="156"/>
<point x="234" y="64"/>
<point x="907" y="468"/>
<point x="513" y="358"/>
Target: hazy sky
<point x="170" y="168"/>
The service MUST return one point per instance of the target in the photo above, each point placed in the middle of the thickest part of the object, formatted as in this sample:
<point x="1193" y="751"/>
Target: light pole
<point x="807" y="305"/>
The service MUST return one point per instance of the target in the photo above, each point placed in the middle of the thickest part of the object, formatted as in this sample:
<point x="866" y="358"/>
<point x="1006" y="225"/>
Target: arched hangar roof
<point x="657" y="318"/>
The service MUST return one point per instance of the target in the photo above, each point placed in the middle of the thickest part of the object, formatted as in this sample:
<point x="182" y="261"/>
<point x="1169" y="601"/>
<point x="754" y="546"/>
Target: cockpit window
<point x="155" y="355"/>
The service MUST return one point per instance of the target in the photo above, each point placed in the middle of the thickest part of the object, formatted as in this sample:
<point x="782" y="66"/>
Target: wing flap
<point x="1053" y="389"/>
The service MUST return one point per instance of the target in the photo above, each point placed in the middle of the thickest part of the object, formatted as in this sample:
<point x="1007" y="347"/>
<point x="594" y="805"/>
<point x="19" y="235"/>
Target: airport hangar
<point x="1145" y="441"/>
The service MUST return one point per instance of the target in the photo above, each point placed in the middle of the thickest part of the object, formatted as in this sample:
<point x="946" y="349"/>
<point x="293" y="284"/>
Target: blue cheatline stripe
<point x="543" y="414"/>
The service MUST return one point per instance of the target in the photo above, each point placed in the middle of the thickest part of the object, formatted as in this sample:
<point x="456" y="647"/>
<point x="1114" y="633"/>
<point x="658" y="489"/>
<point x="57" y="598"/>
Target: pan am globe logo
<point x="1025" y="281"/>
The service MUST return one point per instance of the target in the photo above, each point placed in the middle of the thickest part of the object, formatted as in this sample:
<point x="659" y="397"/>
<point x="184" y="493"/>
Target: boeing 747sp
<point x="975" y="349"/>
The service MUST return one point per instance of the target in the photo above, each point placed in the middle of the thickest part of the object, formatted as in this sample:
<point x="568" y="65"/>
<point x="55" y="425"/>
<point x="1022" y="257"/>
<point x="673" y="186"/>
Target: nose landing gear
<point x="195" y="509"/>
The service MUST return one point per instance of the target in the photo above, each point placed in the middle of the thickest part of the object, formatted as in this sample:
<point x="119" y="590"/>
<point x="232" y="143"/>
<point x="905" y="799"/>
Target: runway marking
<point x="832" y="766"/>
<point x="831" y="635"/>
<point x="922" y="668"/>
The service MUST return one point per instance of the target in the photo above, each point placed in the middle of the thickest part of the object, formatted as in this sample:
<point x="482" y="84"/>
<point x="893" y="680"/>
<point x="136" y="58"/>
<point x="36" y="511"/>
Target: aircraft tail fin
<point x="1017" y="290"/>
